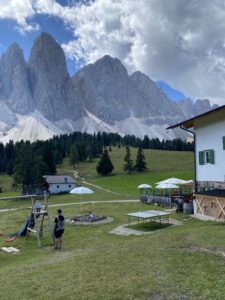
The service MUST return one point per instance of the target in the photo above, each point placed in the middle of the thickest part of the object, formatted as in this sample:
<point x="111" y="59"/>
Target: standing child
<point x="38" y="206"/>
<point x="59" y="229"/>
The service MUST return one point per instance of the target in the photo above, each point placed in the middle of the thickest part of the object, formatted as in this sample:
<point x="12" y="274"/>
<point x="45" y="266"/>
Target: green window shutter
<point x="211" y="157"/>
<point x="223" y="142"/>
<point x="201" y="157"/>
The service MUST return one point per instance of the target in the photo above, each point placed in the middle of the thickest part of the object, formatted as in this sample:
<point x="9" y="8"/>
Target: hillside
<point x="161" y="165"/>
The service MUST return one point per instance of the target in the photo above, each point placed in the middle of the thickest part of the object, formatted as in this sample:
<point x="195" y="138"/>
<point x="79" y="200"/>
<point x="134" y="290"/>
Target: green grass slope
<point x="161" y="165"/>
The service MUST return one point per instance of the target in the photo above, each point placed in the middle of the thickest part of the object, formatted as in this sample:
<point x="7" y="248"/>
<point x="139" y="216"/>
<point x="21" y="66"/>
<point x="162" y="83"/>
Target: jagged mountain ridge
<point x="99" y="97"/>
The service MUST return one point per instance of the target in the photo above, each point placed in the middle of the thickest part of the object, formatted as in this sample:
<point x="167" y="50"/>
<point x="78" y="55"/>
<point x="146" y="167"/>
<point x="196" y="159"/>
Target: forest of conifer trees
<point x="27" y="162"/>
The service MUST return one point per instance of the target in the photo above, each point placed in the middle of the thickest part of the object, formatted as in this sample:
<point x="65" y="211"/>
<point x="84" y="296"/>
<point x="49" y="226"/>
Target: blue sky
<point x="170" y="41"/>
<point x="53" y="26"/>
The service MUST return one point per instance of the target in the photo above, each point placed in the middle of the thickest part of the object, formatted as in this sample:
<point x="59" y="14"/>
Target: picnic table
<point x="148" y="215"/>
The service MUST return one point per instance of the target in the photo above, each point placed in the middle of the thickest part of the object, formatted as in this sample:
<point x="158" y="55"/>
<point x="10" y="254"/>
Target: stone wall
<point x="208" y="185"/>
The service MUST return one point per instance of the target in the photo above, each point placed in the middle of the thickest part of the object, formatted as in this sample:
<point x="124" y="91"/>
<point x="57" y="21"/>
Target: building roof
<point x="190" y="122"/>
<point x="59" y="179"/>
<point x="214" y="193"/>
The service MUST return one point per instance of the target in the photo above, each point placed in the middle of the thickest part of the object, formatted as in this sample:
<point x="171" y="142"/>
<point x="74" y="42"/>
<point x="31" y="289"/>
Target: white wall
<point x="61" y="188"/>
<point x="209" y="135"/>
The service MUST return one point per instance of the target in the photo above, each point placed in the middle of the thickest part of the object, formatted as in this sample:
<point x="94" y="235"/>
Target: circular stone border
<point x="107" y="220"/>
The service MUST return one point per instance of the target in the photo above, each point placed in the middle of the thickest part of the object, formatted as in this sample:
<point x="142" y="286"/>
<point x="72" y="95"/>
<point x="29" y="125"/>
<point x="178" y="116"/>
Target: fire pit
<point x="88" y="220"/>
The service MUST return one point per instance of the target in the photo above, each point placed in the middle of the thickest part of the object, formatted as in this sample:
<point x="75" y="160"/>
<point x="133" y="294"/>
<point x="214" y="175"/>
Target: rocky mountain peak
<point x="201" y="106"/>
<point x="14" y="85"/>
<point x="105" y="68"/>
<point x="158" y="102"/>
<point x="48" y="75"/>
<point x="138" y="75"/>
<point x="12" y="57"/>
<point x="14" y="52"/>
<point x="111" y="64"/>
<point x="47" y="57"/>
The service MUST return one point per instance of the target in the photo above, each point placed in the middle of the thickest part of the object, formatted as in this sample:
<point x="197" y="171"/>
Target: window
<point x="223" y="142"/>
<point x="69" y="185"/>
<point x="57" y="186"/>
<point x="206" y="157"/>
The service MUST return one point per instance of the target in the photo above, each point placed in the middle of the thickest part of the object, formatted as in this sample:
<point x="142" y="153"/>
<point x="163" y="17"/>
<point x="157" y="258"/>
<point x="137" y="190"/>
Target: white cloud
<point x="19" y="11"/>
<point x="179" y="41"/>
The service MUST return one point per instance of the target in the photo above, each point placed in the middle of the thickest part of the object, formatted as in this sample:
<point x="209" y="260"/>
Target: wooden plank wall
<point x="211" y="206"/>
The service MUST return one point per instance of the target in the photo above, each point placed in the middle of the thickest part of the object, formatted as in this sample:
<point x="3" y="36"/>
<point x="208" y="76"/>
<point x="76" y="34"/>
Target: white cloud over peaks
<point x="19" y="11"/>
<point x="179" y="41"/>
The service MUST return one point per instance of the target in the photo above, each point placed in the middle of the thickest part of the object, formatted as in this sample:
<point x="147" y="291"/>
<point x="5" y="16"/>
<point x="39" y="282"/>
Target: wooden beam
<point x="221" y="209"/>
<point x="199" y="205"/>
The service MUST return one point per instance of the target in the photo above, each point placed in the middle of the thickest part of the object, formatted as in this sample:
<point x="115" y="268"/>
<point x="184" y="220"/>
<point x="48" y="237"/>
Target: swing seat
<point x="11" y="239"/>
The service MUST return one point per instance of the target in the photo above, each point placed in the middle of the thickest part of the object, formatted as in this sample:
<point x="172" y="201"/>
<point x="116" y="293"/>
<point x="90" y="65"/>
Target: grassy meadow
<point x="178" y="262"/>
<point x="161" y="165"/>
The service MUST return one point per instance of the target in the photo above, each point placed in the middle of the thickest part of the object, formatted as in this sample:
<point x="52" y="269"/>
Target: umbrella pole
<point x="81" y="204"/>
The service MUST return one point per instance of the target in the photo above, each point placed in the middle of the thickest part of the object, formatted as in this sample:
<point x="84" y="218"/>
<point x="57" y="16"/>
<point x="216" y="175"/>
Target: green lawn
<point x="95" y="264"/>
<point x="181" y="262"/>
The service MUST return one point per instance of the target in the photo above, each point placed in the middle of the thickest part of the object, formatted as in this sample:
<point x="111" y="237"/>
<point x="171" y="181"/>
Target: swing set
<point x="12" y="215"/>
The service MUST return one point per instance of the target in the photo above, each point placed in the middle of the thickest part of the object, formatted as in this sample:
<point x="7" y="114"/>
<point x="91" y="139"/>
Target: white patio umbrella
<point x="169" y="186"/>
<point x="81" y="190"/>
<point x="173" y="180"/>
<point x="144" y="186"/>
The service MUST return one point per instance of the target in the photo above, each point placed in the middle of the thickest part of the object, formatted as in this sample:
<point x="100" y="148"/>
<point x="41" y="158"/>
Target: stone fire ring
<point x="107" y="220"/>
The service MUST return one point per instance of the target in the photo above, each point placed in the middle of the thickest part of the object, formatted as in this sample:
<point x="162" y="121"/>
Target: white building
<point x="60" y="183"/>
<point x="209" y="132"/>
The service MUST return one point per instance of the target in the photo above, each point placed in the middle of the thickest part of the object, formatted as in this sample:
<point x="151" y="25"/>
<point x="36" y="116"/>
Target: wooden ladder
<point x="37" y="219"/>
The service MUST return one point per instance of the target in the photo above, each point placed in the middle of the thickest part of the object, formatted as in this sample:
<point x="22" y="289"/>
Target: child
<point x="38" y="205"/>
<point x="90" y="216"/>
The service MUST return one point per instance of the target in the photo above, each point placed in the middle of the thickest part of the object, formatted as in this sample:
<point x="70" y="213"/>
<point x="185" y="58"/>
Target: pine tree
<point x="128" y="166"/>
<point x="105" y="165"/>
<point x="74" y="155"/>
<point x="140" y="164"/>
<point x="48" y="157"/>
<point x="28" y="167"/>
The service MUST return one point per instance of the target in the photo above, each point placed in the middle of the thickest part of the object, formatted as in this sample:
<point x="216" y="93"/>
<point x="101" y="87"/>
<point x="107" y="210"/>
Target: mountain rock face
<point x="102" y="96"/>
<point x="14" y="85"/>
<point x="107" y="91"/>
<point x="159" y="105"/>
<point x="48" y="76"/>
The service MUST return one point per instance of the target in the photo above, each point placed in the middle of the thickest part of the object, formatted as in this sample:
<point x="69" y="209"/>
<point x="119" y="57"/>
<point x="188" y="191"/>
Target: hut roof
<point x="59" y="179"/>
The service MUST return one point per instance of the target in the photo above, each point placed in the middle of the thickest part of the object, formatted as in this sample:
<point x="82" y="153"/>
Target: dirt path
<point x="220" y="252"/>
<point x="93" y="202"/>
<point x="77" y="203"/>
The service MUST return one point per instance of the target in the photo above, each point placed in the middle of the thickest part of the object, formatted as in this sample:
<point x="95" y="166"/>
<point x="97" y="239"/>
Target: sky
<point x="178" y="42"/>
